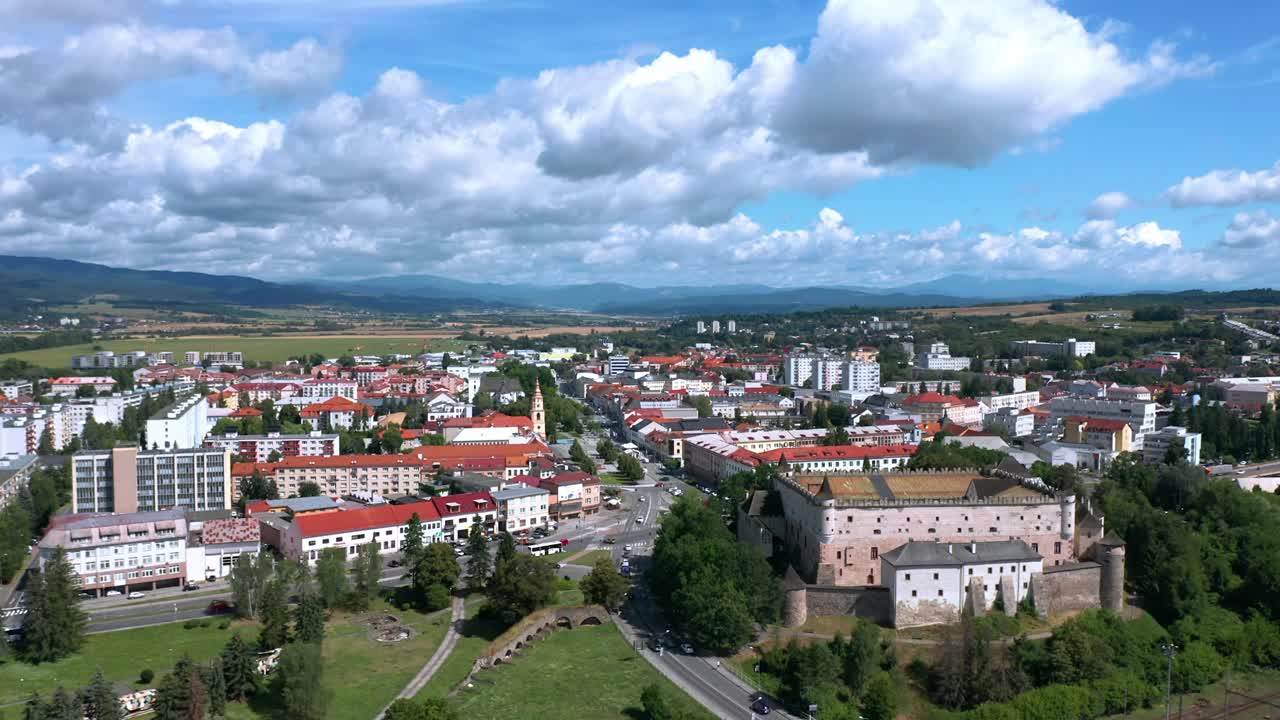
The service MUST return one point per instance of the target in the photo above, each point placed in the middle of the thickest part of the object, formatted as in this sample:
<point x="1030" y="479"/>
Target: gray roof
<point x="511" y="492"/>
<point x="304" y="504"/>
<point x="12" y="465"/>
<point x="940" y="554"/>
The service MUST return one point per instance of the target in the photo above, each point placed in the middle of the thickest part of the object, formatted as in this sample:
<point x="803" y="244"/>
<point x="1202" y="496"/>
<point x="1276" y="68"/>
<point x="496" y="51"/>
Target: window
<point x="908" y="576"/>
<point x="971" y="571"/>
<point x="1057" y="547"/>
<point x="913" y="593"/>
<point x="939" y="593"/>
<point x="935" y="576"/>
<point x="875" y="553"/>
<point x="991" y="529"/>
<point x="1035" y="547"/>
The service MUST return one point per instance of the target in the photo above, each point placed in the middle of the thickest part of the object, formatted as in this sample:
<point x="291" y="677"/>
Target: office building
<point x="126" y="479"/>
<point x="1070" y="347"/>
<point x="619" y="364"/>
<point x="1141" y="416"/>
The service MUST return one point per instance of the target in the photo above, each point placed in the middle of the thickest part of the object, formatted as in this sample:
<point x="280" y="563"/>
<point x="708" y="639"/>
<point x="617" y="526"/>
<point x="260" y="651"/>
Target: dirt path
<point x="438" y="658"/>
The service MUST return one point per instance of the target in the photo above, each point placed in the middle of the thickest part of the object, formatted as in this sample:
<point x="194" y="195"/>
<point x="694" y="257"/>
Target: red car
<point x="219" y="606"/>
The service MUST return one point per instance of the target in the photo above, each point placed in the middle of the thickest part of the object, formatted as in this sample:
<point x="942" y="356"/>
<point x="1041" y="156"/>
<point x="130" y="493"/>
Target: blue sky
<point x="865" y="142"/>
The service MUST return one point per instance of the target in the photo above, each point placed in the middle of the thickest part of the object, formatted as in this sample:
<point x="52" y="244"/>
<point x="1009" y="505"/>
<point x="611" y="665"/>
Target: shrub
<point x="146" y="676"/>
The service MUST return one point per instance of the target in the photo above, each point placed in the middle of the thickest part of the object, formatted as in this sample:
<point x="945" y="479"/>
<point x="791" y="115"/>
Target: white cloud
<point x="1252" y="230"/>
<point x="1225" y="188"/>
<point x="1108" y="205"/>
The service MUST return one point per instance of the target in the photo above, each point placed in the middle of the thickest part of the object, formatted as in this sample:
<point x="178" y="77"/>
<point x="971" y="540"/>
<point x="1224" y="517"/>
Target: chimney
<point x="949" y="548"/>
<point x="973" y="547"/>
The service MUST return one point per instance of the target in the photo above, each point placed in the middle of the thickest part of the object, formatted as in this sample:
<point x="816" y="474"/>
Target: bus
<point x="546" y="548"/>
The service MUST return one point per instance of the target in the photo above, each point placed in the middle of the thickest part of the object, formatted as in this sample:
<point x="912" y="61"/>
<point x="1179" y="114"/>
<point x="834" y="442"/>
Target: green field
<point x="121" y="655"/>
<point x="256" y="348"/>
<point x="475" y="637"/>
<point x="589" y="673"/>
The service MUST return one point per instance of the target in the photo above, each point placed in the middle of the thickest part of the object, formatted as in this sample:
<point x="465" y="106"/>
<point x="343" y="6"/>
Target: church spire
<point x="538" y="412"/>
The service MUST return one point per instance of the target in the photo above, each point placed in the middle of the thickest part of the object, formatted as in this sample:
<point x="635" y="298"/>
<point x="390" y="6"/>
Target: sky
<point x="869" y="143"/>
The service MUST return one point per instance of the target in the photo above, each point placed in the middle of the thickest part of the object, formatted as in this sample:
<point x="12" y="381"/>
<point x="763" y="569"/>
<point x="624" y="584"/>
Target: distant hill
<point x="36" y="281"/>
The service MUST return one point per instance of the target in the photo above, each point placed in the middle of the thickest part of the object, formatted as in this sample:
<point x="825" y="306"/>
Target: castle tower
<point x="1112" y="560"/>
<point x="538" y="412"/>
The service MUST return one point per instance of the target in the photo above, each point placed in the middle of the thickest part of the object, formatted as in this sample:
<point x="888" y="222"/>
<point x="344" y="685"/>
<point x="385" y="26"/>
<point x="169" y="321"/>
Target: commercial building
<point x="126" y="479"/>
<point x="212" y="550"/>
<point x="1141" y="416"/>
<point x="258" y="448"/>
<point x="862" y="376"/>
<point x="461" y="515"/>
<point x="572" y="494"/>
<point x="521" y="507"/>
<point x="1112" y="436"/>
<point x="939" y="358"/>
<point x="838" y="526"/>
<point x="1156" y="444"/>
<point x="180" y="425"/>
<point x="932" y="582"/>
<point x="125" y="552"/>
<point x="1070" y="347"/>
<point x="308" y="534"/>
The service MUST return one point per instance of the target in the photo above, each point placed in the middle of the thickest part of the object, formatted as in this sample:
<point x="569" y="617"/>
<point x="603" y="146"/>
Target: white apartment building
<point x="15" y="474"/>
<point x="122" y="552"/>
<point x="191" y="358"/>
<point x="387" y="525"/>
<point x="861" y="376"/>
<point x="1141" y="416"/>
<point x="1015" y="400"/>
<point x="258" y="448"/>
<point x="619" y="364"/>
<point x="702" y="327"/>
<point x="14" y="388"/>
<point x="930" y="581"/>
<point x="1013" y="421"/>
<point x="1155" y="444"/>
<point x="328" y="387"/>
<point x="715" y="326"/>
<point x="824" y="372"/>
<point x="521" y="507"/>
<point x="341" y="474"/>
<point x="180" y="425"/>
<point x="733" y="326"/>
<point x="796" y="369"/>
<point x="124" y="479"/>
<point x="939" y="358"/>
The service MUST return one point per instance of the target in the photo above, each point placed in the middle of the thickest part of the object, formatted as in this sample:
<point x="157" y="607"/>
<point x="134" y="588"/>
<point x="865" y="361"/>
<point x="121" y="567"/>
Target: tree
<point x="436" y="568"/>
<point x="274" y="457"/>
<point x="100" y="699"/>
<point x="249" y="575"/>
<point x="630" y="467"/>
<point x="425" y="709"/>
<point x="215" y="684"/>
<point x="331" y="576"/>
<point x="506" y="549"/>
<point x="880" y="701"/>
<point x="180" y="695"/>
<point x="55" y="624"/>
<point x="604" y="585"/>
<point x="239" y="669"/>
<point x="46" y="442"/>
<point x="64" y="706"/>
<point x="308" y="488"/>
<point x="308" y="618"/>
<point x="299" y="683"/>
<point x="837" y="436"/>
<point x="258" y="487"/>
<point x="703" y="404"/>
<point x="656" y="705"/>
<point x="520" y="586"/>
<point x="413" y="547"/>
<point x="479" y="563"/>
<point x="392" y="438"/>
<point x="274" y="613"/>
<point x="368" y="571"/>
<point x="579" y="456"/>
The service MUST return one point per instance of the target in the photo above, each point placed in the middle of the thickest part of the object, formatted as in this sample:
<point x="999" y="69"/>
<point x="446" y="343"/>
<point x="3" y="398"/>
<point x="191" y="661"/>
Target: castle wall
<point x="1067" y="588"/>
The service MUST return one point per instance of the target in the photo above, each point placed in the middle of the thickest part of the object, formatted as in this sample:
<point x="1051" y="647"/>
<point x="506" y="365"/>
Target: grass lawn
<point x="121" y="655"/>
<point x="364" y="675"/>
<point x="273" y="348"/>
<point x="605" y="478"/>
<point x="591" y="557"/>
<point x="476" y="635"/>
<point x="589" y="673"/>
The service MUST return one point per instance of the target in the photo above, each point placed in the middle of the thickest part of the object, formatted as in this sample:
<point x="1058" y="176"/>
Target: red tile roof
<point x="246" y="412"/>
<point x="492" y="420"/>
<point x="836" y="452"/>
<point x="466" y="502"/>
<point x="335" y="461"/>
<point x="363" y="519"/>
<point x="335" y="404"/>
<point x="933" y="398"/>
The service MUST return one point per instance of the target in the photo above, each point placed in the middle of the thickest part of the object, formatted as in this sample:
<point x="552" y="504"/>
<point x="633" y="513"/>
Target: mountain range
<point x="36" y="281"/>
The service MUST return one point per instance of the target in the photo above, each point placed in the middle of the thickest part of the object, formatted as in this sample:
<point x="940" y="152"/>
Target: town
<point x="871" y="488"/>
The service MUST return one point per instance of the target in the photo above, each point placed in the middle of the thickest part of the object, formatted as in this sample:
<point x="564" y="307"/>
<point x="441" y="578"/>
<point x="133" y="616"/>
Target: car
<point x="86" y="596"/>
<point x="394" y="563"/>
<point x="114" y="593"/>
<point x="639" y="521"/>
<point x="459" y="551"/>
<point x="761" y="707"/>
<point x="610" y="541"/>
<point x="219" y="606"/>
<point x="686" y="648"/>
<point x="626" y="549"/>
<point x="136" y="595"/>
<point x="644" y="499"/>
<point x="188" y="587"/>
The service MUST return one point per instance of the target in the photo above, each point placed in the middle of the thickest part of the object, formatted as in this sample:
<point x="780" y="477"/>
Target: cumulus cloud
<point x="1108" y="205"/>
<point x="956" y="82"/>
<point x="1252" y="230"/>
<point x="58" y="92"/>
<point x="1225" y="188"/>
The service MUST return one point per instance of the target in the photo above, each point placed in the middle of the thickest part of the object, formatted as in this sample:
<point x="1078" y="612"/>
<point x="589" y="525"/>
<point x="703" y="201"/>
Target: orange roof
<point x="335" y="404"/>
<point x="933" y="398"/>
<point x="246" y="412"/>
<point x="836" y="452"/>
<point x="366" y="518"/>
<point x="492" y="420"/>
<point x="335" y="461"/>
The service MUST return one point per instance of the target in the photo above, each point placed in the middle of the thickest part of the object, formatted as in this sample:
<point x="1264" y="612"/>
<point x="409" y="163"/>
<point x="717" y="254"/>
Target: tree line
<point x="24" y="519"/>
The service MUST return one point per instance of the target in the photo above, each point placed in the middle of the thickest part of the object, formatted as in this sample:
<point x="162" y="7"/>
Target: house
<point x="464" y="514"/>
<point x="932" y="582"/>
<point x="1113" y="436"/>
<point x="336" y="412"/>
<point x="443" y="406"/>
<point x="307" y="535"/>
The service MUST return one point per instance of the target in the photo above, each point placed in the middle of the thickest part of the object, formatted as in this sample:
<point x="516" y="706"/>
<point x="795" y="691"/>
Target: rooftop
<point x="940" y="554"/>
<point x="369" y="517"/>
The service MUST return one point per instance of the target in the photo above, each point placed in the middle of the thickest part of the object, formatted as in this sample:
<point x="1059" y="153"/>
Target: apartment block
<point x="126" y="479"/>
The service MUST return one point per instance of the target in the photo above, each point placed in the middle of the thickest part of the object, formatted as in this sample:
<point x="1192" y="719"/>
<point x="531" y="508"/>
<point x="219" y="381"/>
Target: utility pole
<point x="1226" y="697"/>
<point x="1169" y="650"/>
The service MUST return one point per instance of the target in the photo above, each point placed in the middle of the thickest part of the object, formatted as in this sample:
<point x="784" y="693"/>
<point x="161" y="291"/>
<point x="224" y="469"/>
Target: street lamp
<point x="1169" y="650"/>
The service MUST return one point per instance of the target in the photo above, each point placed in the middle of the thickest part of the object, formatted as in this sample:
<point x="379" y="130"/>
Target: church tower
<point x="538" y="412"/>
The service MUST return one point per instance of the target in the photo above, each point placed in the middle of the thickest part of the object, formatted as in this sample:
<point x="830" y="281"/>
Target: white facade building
<point x="1155" y="444"/>
<point x="521" y="507"/>
<point x="619" y="364"/>
<point x="929" y="582"/>
<point x="1013" y="421"/>
<point x="939" y="358"/>
<point x="1015" y="400"/>
<point x="862" y="377"/>
<point x="1070" y="347"/>
<point x="258" y="448"/>
<point x="1141" y="416"/>
<point x="181" y="425"/>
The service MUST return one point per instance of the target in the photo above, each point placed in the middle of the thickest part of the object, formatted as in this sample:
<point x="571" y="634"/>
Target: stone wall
<point x="533" y="628"/>
<point x="871" y="603"/>
<point x="1065" y="588"/>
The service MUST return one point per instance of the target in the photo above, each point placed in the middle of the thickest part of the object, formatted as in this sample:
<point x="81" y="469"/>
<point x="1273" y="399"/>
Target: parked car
<point x="188" y="587"/>
<point x="86" y="596"/>
<point x="639" y="521"/>
<point x="114" y="593"/>
<point x="136" y="595"/>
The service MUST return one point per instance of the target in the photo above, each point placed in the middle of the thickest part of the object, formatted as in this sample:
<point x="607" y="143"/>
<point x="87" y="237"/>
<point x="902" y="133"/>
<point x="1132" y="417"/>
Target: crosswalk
<point x="12" y="612"/>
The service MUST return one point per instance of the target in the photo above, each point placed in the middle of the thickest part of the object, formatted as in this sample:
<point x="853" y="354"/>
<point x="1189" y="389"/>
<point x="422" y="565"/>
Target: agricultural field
<point x="277" y="348"/>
